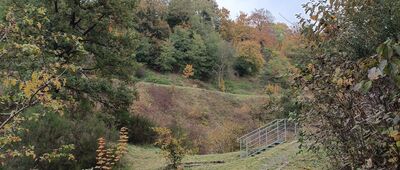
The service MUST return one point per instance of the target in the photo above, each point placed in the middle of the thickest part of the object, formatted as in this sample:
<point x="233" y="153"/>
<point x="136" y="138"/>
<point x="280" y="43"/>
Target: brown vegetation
<point x="200" y="114"/>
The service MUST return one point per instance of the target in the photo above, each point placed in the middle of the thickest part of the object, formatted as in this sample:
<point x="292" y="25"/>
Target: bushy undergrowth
<point x="49" y="131"/>
<point x="350" y="88"/>
<point x="139" y="127"/>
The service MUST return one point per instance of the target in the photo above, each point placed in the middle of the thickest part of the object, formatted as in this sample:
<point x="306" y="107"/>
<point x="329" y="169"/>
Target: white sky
<point x="287" y="8"/>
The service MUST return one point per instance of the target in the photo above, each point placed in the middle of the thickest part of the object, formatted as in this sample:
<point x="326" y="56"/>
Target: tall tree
<point x="56" y="55"/>
<point x="179" y="12"/>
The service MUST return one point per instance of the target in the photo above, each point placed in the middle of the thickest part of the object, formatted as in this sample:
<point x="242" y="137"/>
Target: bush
<point x="51" y="131"/>
<point x="350" y="87"/>
<point x="171" y="147"/>
<point x="140" y="128"/>
<point x="140" y="72"/>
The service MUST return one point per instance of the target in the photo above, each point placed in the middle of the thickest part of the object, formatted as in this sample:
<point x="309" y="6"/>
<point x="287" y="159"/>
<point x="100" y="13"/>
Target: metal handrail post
<point x="277" y="131"/>
<point x="247" y="149"/>
<point x="285" y="130"/>
<point x="259" y="139"/>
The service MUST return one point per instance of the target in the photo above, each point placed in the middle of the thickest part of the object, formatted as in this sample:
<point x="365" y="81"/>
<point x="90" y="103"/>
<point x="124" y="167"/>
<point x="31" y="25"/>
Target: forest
<point x="174" y="84"/>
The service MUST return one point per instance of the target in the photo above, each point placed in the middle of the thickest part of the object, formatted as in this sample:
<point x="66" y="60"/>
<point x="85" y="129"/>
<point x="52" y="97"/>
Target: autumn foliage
<point x="172" y="147"/>
<point x="351" y="84"/>
<point x="107" y="158"/>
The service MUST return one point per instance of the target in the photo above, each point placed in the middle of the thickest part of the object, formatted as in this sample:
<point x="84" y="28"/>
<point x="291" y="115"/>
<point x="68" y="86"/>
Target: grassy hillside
<point x="284" y="156"/>
<point x="211" y="120"/>
<point x="235" y="85"/>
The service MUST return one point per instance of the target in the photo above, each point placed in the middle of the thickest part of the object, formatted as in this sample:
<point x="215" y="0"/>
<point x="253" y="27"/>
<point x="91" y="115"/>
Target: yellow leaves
<point x="395" y="135"/>
<point x="311" y="68"/>
<point x="273" y="89"/>
<point x="39" y="25"/>
<point x="9" y="82"/>
<point x="171" y="146"/>
<point x="221" y="84"/>
<point x="28" y="21"/>
<point x="342" y="82"/>
<point x="71" y="157"/>
<point x="62" y="152"/>
<point x="41" y="11"/>
<point x="30" y="49"/>
<point x="31" y="86"/>
<point x="250" y="51"/>
<point x="57" y="84"/>
<point x="188" y="71"/>
<point x="30" y="152"/>
<point x="39" y="87"/>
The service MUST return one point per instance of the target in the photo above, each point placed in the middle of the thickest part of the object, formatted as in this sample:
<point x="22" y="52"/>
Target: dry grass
<point x="199" y="112"/>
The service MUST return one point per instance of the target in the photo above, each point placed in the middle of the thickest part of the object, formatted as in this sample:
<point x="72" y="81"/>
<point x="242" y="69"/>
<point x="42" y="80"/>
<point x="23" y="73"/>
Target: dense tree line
<point x="67" y="68"/>
<point x="176" y="33"/>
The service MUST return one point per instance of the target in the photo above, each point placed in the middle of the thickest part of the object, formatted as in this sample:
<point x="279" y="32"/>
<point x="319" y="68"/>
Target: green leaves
<point x="385" y="50"/>
<point x="363" y="86"/>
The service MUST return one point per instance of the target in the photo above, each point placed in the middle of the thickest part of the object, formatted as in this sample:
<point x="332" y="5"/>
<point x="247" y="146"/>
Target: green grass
<point x="249" y="86"/>
<point x="243" y="86"/>
<point x="284" y="156"/>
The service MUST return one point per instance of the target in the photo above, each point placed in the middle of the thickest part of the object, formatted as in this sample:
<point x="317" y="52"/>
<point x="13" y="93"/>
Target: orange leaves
<point x="107" y="158"/>
<point x="122" y="144"/>
<point x="9" y="82"/>
<point x="314" y="17"/>
<point x="188" y="71"/>
<point x="395" y="135"/>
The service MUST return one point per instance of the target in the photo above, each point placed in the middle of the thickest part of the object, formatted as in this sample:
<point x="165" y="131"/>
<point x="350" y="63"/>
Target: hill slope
<point x="212" y="120"/>
<point x="284" y="156"/>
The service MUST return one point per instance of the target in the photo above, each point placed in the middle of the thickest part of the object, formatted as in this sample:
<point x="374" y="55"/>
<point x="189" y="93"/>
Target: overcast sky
<point x="287" y="8"/>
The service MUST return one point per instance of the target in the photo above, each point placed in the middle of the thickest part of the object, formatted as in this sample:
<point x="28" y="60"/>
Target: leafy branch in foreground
<point x="351" y="84"/>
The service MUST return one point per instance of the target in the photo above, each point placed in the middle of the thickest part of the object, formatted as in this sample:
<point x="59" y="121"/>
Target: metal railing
<point x="274" y="133"/>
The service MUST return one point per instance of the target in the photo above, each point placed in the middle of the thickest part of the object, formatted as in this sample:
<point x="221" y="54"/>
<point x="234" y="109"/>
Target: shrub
<point x="140" y="128"/>
<point x="223" y="138"/>
<point x="51" y="131"/>
<point x="140" y="72"/>
<point x="188" y="71"/>
<point x="352" y="84"/>
<point x="171" y="147"/>
<point x="106" y="159"/>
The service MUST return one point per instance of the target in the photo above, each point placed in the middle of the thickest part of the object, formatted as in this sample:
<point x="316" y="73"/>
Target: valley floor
<point x="284" y="156"/>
